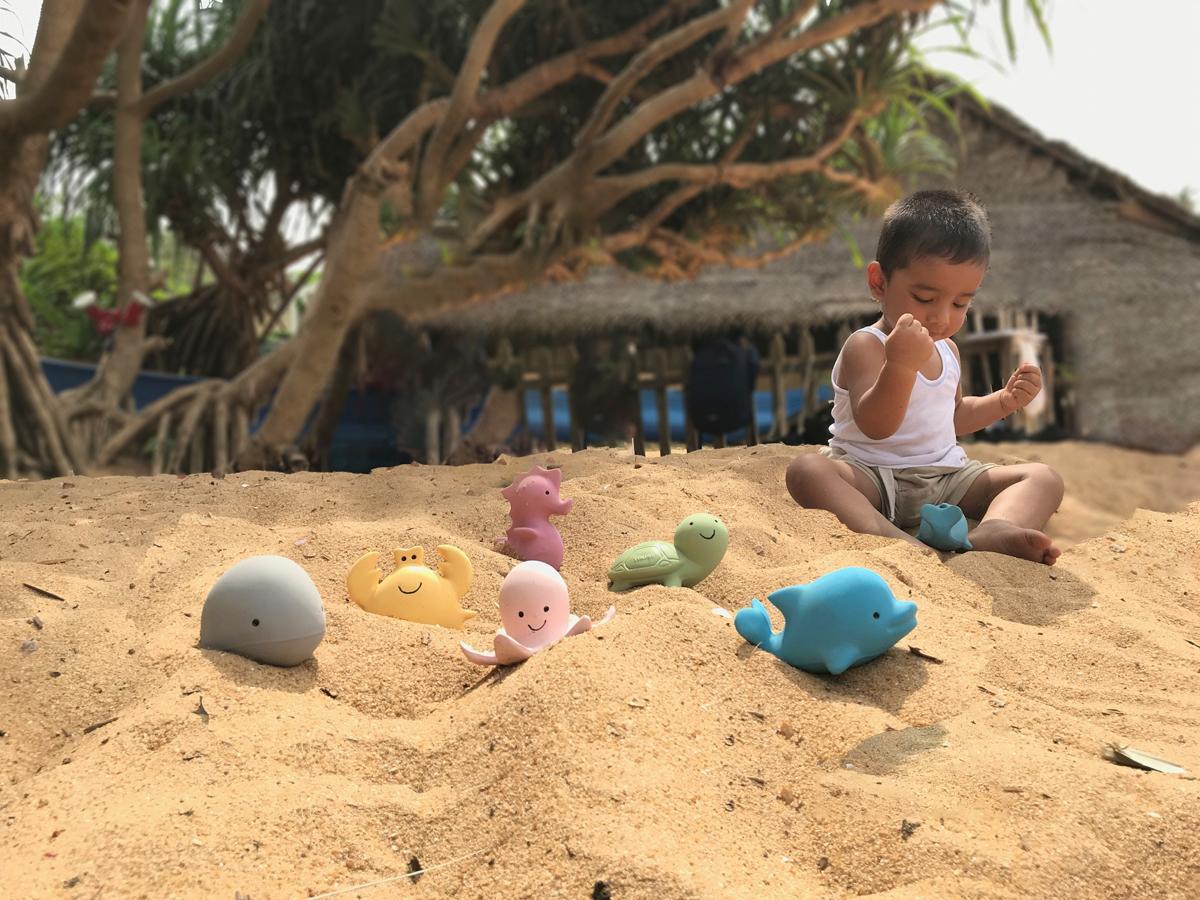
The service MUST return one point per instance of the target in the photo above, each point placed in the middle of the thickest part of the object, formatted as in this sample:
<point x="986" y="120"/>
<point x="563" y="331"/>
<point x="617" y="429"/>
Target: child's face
<point x="937" y="293"/>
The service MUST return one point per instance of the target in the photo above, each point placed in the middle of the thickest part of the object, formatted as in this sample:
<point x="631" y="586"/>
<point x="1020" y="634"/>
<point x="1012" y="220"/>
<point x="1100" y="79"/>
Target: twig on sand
<point x="917" y="651"/>
<point x="418" y="872"/>
<point x="1193" y="643"/>
<point x="90" y="728"/>
<point x="43" y="591"/>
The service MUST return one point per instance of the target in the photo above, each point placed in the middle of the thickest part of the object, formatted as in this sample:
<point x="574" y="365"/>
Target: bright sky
<point x="1121" y="85"/>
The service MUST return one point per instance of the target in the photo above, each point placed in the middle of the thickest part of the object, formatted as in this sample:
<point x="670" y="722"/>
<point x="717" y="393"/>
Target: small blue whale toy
<point x="944" y="527"/>
<point x="842" y="619"/>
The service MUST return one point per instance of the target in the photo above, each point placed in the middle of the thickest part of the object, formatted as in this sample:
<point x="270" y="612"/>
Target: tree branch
<point x="523" y="89"/>
<point x="759" y="56"/>
<point x="682" y="195"/>
<point x="865" y="186"/>
<point x="462" y="100"/>
<point x="10" y="75"/>
<point x="614" y="188"/>
<point x="243" y="32"/>
<point x="665" y="242"/>
<point x="645" y="62"/>
<point x="455" y="286"/>
<point x="404" y="136"/>
<point x="68" y="87"/>
<point x="614" y="144"/>
<point x="545" y="77"/>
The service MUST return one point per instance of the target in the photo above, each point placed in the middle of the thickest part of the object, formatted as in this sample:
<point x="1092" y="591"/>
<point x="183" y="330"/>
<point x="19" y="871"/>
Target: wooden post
<point x="639" y="434"/>
<point x="658" y="367"/>
<point x="453" y="431"/>
<point x="433" y="428"/>
<point x="808" y="354"/>
<point x="548" y="414"/>
<point x="692" y="437"/>
<point x="664" y="419"/>
<point x="776" y="359"/>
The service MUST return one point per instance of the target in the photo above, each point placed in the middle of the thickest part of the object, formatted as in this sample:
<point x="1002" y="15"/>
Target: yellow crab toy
<point x="414" y="591"/>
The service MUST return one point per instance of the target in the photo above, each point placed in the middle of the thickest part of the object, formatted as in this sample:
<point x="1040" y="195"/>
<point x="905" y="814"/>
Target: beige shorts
<point x="902" y="492"/>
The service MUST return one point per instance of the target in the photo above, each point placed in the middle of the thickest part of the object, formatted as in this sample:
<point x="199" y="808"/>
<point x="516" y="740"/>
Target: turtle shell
<point x="646" y="560"/>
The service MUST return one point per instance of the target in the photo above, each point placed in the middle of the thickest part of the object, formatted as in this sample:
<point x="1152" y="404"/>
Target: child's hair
<point x="949" y="225"/>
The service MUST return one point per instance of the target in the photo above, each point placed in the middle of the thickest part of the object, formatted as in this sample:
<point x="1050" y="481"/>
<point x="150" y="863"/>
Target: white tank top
<point x="926" y="435"/>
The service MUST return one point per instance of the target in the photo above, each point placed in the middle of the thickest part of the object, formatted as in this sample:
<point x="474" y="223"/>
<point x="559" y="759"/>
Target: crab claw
<point x="455" y="568"/>
<point x="363" y="579"/>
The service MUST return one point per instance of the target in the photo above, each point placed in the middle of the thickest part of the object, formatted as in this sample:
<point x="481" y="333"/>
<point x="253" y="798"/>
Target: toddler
<point x="898" y="407"/>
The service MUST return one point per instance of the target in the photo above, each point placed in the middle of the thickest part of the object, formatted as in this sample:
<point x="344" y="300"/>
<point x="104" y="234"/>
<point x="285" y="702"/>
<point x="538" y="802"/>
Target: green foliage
<point x="322" y="82"/>
<point x="66" y="265"/>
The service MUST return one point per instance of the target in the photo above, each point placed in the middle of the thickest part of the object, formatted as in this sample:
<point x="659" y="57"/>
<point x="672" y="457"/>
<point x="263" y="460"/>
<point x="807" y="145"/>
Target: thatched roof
<point x="1094" y="177"/>
<point x="610" y="300"/>
<point x="1053" y="210"/>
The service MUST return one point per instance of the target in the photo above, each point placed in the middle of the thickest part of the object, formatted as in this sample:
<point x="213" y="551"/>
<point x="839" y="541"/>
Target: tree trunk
<point x="119" y="366"/>
<point x="350" y="265"/>
<point x="32" y="426"/>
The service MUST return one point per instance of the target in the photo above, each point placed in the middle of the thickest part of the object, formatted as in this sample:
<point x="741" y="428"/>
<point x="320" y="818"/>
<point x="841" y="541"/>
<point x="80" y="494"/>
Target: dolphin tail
<point x="754" y="623"/>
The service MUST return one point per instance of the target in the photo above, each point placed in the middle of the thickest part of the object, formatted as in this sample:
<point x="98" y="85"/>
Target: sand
<point x="659" y="756"/>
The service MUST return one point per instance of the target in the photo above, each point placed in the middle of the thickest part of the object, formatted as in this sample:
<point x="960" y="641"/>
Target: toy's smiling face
<point x="534" y="606"/>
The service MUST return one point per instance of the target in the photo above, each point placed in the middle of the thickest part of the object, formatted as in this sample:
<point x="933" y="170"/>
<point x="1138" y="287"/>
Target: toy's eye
<point x="403" y="558"/>
<point x="547" y="493"/>
<point x="874" y="615"/>
<point x="545" y="609"/>
<point x="254" y="623"/>
<point x="521" y="615"/>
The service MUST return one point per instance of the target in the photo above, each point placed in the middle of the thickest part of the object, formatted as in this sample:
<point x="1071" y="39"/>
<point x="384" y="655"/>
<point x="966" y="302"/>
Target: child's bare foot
<point x="1000" y="536"/>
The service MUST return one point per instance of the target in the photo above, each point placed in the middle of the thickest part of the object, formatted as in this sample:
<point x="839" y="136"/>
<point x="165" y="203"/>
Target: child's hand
<point x="909" y="345"/>
<point x="1023" y="385"/>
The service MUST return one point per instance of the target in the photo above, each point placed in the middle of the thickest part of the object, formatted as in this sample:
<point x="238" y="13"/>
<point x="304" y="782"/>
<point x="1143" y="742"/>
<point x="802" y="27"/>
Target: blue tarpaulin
<point x="364" y="438"/>
<point x="763" y="404"/>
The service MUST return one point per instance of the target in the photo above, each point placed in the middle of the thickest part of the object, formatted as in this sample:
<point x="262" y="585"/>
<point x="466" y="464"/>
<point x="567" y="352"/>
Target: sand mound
<point x="659" y="756"/>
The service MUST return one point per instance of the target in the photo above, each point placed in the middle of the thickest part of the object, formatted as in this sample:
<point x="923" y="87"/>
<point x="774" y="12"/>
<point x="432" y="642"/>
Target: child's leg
<point x="816" y="482"/>
<point x="1013" y="504"/>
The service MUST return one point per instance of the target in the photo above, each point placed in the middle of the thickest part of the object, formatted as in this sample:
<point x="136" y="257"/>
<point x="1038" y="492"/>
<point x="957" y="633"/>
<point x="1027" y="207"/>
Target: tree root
<point x="32" y="424"/>
<point x="203" y="426"/>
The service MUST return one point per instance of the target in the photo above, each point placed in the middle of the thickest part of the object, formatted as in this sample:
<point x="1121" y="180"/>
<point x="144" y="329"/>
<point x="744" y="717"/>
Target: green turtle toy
<point x="700" y="542"/>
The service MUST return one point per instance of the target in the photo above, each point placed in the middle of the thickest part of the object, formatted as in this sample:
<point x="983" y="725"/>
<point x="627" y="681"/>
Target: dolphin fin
<point x="753" y="623"/>
<point x="787" y="599"/>
<point x="839" y="658"/>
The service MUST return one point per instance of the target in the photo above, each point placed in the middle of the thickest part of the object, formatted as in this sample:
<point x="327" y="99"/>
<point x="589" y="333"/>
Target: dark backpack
<point x="604" y="403"/>
<point x="720" y="386"/>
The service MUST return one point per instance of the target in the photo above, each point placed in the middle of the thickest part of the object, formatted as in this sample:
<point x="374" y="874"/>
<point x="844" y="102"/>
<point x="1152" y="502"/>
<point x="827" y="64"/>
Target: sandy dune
<point x="659" y="756"/>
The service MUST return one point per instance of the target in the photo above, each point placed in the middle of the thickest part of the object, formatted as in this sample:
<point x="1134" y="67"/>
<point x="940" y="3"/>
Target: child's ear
<point x="876" y="280"/>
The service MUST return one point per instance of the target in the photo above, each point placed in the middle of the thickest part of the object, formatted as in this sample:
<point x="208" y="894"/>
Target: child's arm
<point x="880" y="377"/>
<point x="973" y="413"/>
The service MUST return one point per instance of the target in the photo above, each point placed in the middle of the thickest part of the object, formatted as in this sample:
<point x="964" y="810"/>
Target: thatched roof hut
<point x="1118" y="266"/>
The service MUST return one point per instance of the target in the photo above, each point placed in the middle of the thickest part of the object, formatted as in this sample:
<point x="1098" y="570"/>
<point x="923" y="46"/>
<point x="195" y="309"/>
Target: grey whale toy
<point x="264" y="608"/>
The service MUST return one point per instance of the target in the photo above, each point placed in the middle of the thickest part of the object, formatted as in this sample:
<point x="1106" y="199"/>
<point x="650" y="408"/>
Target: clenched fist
<point x="1023" y="385"/>
<point x="909" y="345"/>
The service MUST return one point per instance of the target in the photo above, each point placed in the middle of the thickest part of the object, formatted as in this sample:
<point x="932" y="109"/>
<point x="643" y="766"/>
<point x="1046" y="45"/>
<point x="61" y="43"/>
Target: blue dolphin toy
<point x="943" y="526"/>
<point x="842" y="619"/>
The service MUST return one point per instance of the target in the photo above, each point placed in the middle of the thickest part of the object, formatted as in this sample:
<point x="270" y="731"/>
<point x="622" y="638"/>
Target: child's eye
<point x="922" y="299"/>
<point x="961" y="305"/>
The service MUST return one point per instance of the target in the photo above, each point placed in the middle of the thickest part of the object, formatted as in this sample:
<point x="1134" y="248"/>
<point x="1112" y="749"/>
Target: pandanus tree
<point x="64" y="433"/>
<point x="497" y="140"/>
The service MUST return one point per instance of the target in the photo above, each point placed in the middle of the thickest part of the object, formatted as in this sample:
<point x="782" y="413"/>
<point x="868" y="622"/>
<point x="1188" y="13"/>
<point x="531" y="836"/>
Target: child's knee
<point x="1049" y="480"/>
<point x="802" y="472"/>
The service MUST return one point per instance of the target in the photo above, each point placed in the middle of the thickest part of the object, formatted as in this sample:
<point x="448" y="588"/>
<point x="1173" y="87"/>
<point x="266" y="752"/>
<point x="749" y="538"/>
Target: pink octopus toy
<point x="532" y="499"/>
<point x="536" y="612"/>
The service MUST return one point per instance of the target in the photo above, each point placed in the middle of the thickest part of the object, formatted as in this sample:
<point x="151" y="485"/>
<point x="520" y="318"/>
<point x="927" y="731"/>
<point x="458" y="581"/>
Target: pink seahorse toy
<point x="532" y="499"/>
